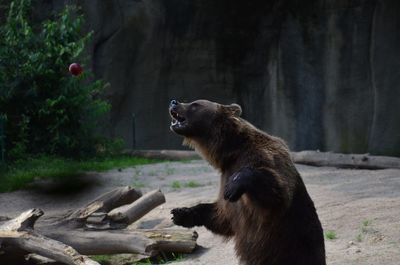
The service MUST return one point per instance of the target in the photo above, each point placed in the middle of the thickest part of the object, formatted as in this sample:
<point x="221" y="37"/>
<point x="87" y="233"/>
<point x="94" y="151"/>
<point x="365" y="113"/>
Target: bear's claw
<point x="183" y="217"/>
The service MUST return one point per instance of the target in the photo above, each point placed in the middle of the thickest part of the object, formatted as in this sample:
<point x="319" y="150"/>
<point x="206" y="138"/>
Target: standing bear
<point x="263" y="203"/>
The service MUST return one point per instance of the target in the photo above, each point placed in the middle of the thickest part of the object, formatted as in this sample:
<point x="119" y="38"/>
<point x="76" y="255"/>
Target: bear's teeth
<point x="174" y="122"/>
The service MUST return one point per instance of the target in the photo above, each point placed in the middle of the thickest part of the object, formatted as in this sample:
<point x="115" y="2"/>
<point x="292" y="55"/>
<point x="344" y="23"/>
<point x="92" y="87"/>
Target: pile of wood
<point x="98" y="228"/>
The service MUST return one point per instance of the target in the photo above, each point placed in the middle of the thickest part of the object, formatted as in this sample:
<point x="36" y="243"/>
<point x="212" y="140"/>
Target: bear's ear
<point x="235" y="109"/>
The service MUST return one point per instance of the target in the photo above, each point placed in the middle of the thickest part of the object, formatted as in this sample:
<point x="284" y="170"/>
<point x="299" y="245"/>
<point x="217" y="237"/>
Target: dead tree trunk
<point x="359" y="161"/>
<point x="96" y="229"/>
<point x="19" y="233"/>
<point x="313" y="158"/>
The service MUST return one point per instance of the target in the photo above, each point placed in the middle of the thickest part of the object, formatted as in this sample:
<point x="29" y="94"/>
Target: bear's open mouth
<point x="177" y="120"/>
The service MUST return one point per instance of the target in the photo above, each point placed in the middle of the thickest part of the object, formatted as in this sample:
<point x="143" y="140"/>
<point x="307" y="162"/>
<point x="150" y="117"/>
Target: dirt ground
<point x="361" y="208"/>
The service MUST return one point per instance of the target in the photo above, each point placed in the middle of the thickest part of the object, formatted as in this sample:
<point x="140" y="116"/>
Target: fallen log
<point x="357" y="161"/>
<point x="312" y="158"/>
<point x="105" y="242"/>
<point x="173" y="240"/>
<point x="107" y="202"/>
<point x="145" y="242"/>
<point x="136" y="210"/>
<point x="19" y="233"/>
<point x="98" y="228"/>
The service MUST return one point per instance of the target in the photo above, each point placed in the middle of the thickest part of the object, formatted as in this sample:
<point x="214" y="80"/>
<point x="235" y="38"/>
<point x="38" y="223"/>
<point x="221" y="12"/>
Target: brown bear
<point x="263" y="203"/>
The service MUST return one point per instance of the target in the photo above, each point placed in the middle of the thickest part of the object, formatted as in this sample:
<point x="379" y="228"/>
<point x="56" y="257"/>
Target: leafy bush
<point x="47" y="110"/>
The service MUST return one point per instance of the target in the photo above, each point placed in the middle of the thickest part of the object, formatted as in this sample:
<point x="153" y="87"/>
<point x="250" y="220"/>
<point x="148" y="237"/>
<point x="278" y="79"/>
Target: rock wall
<point x="321" y="74"/>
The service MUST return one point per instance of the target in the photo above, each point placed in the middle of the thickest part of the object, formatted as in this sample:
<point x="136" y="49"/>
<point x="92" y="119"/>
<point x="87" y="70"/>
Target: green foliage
<point x="107" y="147"/>
<point x="143" y="262"/>
<point x="47" y="109"/>
<point x="359" y="237"/>
<point x="366" y="223"/>
<point x="364" y="229"/>
<point x="165" y="258"/>
<point x="192" y="184"/>
<point x="21" y="173"/>
<point x="178" y="256"/>
<point x="102" y="258"/>
<point x="138" y="184"/>
<point x="169" y="170"/>
<point x="176" y="185"/>
<point x="330" y="234"/>
<point x="2" y="141"/>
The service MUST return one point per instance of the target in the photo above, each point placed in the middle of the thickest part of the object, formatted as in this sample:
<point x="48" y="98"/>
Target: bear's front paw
<point x="183" y="217"/>
<point x="234" y="188"/>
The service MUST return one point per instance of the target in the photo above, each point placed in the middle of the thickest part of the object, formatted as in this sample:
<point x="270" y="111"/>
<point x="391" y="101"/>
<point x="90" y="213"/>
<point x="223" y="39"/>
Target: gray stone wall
<point x="321" y="74"/>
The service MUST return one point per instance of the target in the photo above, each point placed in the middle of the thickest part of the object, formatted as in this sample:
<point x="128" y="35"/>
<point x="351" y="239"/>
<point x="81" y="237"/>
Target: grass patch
<point x="192" y="184"/>
<point x="178" y="257"/>
<point x="330" y="234"/>
<point x="166" y="258"/>
<point x="366" y="223"/>
<point x="163" y="258"/>
<point x="176" y="185"/>
<point x="186" y="161"/>
<point x="169" y="170"/>
<point x="101" y="258"/>
<point x="143" y="262"/>
<point x="138" y="184"/>
<point x="364" y="226"/>
<point x="21" y="173"/>
<point x="363" y="230"/>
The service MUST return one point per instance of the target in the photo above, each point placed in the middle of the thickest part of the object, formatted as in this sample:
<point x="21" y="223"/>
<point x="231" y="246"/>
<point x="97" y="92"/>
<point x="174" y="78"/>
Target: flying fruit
<point x="75" y="69"/>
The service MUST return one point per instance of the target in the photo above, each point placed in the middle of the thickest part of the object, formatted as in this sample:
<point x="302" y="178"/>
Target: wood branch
<point x="361" y="161"/>
<point x="145" y="242"/>
<point x="136" y="210"/>
<point x="4" y="218"/>
<point x="100" y="240"/>
<point x="119" y="218"/>
<point x="173" y="240"/>
<point x="25" y="220"/>
<point x="18" y="233"/>
<point x="104" y="242"/>
<point x="107" y="202"/>
<point x="37" y="259"/>
<point x="72" y="230"/>
<point x="35" y="243"/>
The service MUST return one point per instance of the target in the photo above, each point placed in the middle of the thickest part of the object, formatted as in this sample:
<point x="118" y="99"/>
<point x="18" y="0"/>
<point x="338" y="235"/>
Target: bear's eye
<point x="194" y="106"/>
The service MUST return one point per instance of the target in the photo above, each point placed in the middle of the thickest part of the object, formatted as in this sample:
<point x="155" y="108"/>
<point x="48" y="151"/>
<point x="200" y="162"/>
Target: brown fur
<point x="274" y="222"/>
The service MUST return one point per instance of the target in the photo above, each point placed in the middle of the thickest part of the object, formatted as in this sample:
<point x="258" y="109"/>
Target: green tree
<point x="48" y="111"/>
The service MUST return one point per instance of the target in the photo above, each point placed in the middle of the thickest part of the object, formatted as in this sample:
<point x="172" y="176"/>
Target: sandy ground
<point x="362" y="207"/>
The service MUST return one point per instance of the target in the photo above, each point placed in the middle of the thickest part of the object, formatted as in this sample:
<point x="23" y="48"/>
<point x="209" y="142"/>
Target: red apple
<point x="75" y="69"/>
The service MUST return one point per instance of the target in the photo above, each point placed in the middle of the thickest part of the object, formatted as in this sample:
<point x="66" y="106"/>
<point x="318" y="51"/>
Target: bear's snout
<point x="173" y="103"/>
